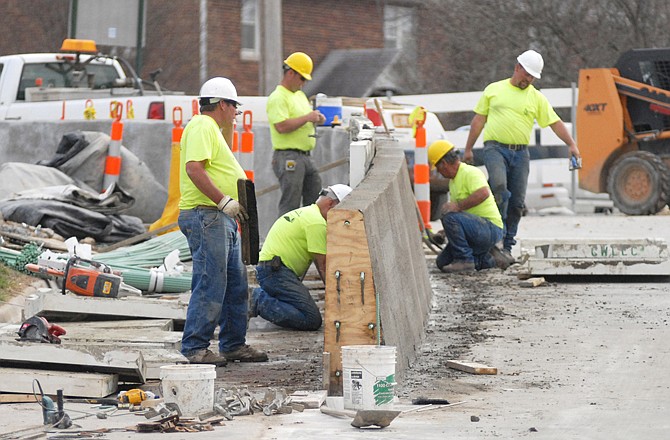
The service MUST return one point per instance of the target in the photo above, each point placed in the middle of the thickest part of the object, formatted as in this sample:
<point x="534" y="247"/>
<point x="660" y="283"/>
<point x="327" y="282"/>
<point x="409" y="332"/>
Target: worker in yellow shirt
<point x="295" y="240"/>
<point x="292" y="129"/>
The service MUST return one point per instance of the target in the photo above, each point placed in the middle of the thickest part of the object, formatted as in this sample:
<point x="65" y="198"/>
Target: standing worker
<point x="471" y="221"/>
<point x="507" y="112"/>
<point x="293" y="131"/>
<point x="294" y="241"/>
<point x="208" y="217"/>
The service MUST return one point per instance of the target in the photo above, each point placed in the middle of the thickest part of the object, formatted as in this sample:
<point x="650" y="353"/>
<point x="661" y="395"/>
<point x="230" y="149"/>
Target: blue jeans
<point x="219" y="288"/>
<point x="508" y="179"/>
<point x="299" y="179"/>
<point x="470" y="238"/>
<point x="284" y="300"/>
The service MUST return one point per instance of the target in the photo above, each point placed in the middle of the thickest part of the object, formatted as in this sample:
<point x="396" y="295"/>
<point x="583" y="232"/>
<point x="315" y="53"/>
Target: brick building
<point x="236" y="33"/>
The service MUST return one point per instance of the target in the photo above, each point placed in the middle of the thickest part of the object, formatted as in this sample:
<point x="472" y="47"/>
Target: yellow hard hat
<point x="301" y="63"/>
<point x="437" y="150"/>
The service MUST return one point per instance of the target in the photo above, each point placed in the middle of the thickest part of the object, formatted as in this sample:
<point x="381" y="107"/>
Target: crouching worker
<point x="471" y="220"/>
<point x="295" y="240"/>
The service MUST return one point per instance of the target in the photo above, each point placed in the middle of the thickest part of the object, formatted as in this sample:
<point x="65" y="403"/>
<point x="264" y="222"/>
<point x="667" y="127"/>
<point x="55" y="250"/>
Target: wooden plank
<point x="471" y="367"/>
<point x="347" y="307"/>
<point x="19" y="380"/>
<point x="128" y="364"/>
<point x="18" y="398"/>
<point x="532" y="282"/>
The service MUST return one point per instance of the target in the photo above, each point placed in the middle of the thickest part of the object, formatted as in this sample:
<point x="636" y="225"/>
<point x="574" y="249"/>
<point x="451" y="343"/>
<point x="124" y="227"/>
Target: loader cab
<point x="652" y="67"/>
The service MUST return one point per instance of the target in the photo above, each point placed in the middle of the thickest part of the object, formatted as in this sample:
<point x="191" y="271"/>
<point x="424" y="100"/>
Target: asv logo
<point x="595" y="108"/>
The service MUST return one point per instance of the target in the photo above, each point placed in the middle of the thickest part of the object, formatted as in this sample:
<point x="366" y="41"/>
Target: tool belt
<point x="274" y="264"/>
<point x="295" y="150"/>
<point x="513" y="147"/>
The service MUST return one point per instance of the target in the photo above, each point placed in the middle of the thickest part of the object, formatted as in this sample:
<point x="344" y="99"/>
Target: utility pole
<point x="272" y="45"/>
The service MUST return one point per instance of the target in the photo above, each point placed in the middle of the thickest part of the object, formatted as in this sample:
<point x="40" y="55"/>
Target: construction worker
<point x="209" y="212"/>
<point x="507" y="112"/>
<point x="294" y="241"/>
<point x="293" y="131"/>
<point x="471" y="221"/>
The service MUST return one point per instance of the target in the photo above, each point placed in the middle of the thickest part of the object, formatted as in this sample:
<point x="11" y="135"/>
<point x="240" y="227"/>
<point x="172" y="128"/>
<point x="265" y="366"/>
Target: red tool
<point x="38" y="329"/>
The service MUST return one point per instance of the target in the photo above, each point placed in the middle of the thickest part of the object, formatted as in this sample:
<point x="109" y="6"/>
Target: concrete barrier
<point x="377" y="283"/>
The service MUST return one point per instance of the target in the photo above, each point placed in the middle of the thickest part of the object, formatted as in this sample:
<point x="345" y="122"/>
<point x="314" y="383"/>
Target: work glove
<point x="232" y="208"/>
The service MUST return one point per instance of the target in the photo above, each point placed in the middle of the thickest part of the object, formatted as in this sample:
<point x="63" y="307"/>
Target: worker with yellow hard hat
<point x="293" y="132"/>
<point x="471" y="220"/>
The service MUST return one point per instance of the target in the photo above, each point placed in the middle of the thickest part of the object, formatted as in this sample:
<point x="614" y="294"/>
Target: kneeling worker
<point x="471" y="220"/>
<point x="295" y="240"/>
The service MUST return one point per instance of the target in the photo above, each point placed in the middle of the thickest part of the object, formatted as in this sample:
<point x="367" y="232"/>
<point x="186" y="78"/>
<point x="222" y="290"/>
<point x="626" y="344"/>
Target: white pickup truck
<point x="78" y="83"/>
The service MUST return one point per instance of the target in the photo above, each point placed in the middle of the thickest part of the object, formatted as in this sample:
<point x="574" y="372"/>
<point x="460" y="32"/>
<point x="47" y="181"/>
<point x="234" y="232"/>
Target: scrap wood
<point x="471" y="367"/>
<point x="532" y="282"/>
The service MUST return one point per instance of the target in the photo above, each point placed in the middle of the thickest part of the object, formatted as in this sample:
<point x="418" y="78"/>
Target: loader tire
<point x="639" y="183"/>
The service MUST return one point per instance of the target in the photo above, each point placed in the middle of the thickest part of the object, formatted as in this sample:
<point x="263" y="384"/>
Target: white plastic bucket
<point x="368" y="373"/>
<point x="189" y="386"/>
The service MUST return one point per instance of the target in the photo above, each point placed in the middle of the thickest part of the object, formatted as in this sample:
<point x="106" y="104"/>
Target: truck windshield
<point x="57" y="75"/>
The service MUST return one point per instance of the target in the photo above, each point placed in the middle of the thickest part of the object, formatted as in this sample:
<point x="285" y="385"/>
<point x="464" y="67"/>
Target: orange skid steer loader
<point x="623" y="131"/>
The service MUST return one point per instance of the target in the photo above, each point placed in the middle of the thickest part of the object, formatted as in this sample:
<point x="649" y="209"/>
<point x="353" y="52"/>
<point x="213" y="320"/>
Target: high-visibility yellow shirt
<point x="282" y="105"/>
<point x="295" y="236"/>
<point x="202" y="140"/>
<point x="511" y="112"/>
<point x="469" y="179"/>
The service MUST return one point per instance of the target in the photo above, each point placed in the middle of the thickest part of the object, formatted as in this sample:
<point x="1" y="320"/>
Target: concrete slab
<point x="53" y="305"/>
<point x="21" y="380"/>
<point x="129" y="365"/>
<point x="594" y="256"/>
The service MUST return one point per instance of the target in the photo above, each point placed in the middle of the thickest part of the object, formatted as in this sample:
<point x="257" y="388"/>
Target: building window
<point x="398" y="27"/>
<point x="250" y="30"/>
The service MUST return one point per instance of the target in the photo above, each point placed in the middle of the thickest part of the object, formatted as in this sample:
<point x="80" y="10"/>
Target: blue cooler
<point x="329" y="107"/>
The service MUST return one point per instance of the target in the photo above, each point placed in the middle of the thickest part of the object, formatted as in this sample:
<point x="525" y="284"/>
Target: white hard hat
<point x="532" y="62"/>
<point x="338" y="190"/>
<point x="216" y="89"/>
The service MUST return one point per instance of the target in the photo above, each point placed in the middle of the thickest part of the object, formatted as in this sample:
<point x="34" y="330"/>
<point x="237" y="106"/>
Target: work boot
<point x="502" y="258"/>
<point x="459" y="266"/>
<point x="508" y="254"/>
<point x="245" y="354"/>
<point x="207" y="357"/>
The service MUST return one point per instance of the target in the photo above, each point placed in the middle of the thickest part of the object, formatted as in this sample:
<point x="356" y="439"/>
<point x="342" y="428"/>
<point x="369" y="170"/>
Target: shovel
<point x="364" y="417"/>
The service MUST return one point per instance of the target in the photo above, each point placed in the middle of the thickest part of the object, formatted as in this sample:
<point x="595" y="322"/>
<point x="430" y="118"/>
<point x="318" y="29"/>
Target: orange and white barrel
<point x="247" y="145"/>
<point x="113" y="160"/>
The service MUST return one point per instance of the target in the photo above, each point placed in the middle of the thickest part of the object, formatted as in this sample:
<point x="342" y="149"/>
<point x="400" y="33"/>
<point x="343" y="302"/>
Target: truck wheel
<point x="639" y="183"/>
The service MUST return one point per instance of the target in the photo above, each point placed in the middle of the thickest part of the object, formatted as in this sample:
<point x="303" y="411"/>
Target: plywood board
<point x="350" y="304"/>
<point x="20" y="380"/>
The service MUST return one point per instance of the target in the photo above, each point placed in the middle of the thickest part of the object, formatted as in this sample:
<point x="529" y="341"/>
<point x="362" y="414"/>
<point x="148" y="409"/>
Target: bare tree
<point x="475" y="42"/>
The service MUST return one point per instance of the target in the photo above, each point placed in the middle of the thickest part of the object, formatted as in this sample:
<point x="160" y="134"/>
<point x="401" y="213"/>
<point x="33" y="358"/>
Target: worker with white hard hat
<point x="295" y="240"/>
<point x="209" y="213"/>
<point x="507" y="112"/>
<point x="471" y="220"/>
<point x="293" y="132"/>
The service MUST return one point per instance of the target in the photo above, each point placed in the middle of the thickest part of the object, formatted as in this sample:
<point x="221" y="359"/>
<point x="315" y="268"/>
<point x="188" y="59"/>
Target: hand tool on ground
<point x="38" y="329"/>
<point x="134" y="396"/>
